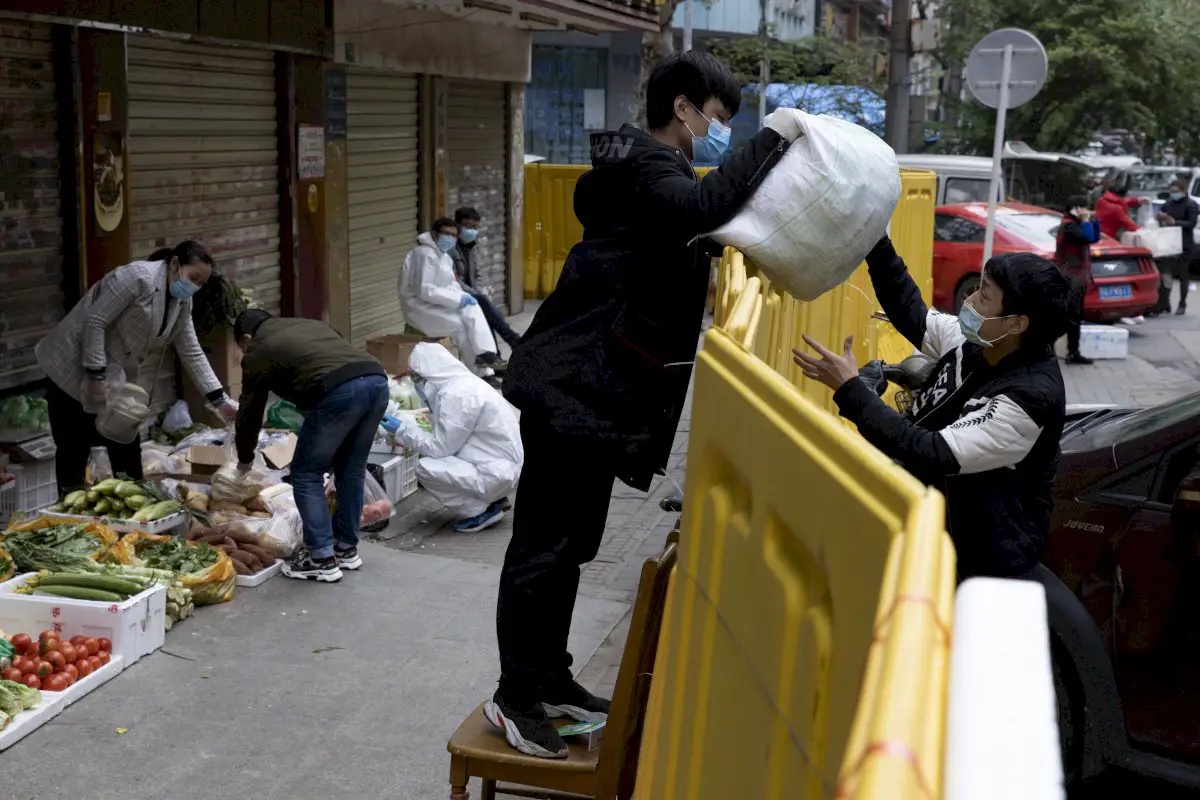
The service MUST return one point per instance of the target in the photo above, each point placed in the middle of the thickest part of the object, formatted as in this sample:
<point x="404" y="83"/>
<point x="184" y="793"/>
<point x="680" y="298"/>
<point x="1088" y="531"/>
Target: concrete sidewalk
<point x="295" y="690"/>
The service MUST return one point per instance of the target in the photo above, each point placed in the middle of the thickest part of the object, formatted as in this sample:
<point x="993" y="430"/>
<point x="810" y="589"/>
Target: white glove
<point x="785" y="122"/>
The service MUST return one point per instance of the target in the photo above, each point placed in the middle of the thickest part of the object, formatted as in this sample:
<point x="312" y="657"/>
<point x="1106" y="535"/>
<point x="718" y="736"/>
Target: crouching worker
<point x="472" y="459"/>
<point x="343" y="393"/>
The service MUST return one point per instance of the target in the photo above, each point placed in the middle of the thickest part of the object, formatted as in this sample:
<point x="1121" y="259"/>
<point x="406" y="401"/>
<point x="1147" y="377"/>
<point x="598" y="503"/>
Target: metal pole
<point x="899" y="36"/>
<point x="687" y="25"/>
<point x="764" y="64"/>
<point x="998" y="152"/>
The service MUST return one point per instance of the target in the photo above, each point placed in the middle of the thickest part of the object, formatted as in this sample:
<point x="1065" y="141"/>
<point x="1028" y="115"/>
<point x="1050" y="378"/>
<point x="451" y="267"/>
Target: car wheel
<point x="966" y="287"/>
<point x="1070" y="713"/>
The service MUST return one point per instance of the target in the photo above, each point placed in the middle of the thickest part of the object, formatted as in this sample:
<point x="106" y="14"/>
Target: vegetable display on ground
<point x="137" y="501"/>
<point x="238" y="543"/>
<point x="50" y="663"/>
<point x="54" y="546"/>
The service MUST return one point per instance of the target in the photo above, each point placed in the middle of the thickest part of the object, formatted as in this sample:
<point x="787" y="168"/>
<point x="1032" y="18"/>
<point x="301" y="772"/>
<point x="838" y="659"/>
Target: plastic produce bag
<point x="377" y="509"/>
<point x="214" y="584"/>
<point x="284" y="416"/>
<point x="821" y="209"/>
<point x="232" y="486"/>
<point x="158" y="460"/>
<point x="178" y="418"/>
<point x="404" y="393"/>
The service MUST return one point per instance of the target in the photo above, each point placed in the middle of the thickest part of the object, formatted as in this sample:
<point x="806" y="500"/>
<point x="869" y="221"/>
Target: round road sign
<point x="1027" y="73"/>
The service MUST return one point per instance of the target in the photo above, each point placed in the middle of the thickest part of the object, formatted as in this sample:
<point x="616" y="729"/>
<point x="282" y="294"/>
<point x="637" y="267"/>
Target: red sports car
<point x="1124" y="279"/>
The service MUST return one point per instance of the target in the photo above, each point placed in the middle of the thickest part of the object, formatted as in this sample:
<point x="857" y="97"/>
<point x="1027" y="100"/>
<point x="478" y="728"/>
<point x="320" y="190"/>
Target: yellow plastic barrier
<point x="804" y="650"/>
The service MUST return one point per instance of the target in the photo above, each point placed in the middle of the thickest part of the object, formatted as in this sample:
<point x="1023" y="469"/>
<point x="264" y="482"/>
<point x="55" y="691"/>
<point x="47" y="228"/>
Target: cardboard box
<point x="279" y="456"/>
<point x="206" y="459"/>
<point x="393" y="349"/>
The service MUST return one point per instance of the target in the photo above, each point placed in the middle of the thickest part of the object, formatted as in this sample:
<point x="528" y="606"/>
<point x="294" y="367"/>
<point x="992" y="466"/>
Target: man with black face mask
<point x="1181" y="211"/>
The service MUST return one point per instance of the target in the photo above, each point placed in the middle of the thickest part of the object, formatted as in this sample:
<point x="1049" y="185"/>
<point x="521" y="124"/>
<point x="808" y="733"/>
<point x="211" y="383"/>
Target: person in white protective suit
<point x="472" y="460"/>
<point x="434" y="302"/>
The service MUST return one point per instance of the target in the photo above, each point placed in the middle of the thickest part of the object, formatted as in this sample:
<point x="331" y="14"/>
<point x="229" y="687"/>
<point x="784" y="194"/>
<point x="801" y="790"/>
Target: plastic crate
<point x="396" y="474"/>
<point x="35" y="488"/>
<point x="408" y="475"/>
<point x="136" y="627"/>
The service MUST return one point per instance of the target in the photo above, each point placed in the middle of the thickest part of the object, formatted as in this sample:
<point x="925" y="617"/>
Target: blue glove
<point x="390" y="424"/>
<point x="467" y="300"/>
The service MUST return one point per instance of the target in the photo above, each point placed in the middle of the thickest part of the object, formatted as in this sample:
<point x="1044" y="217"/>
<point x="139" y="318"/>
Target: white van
<point x="1039" y="179"/>
<point x="960" y="179"/>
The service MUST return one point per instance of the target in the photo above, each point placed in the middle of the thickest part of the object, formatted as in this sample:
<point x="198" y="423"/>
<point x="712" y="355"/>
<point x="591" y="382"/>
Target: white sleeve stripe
<point x="942" y="334"/>
<point x="998" y="435"/>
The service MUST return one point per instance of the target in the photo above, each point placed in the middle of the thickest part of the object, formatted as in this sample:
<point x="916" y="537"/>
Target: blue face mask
<point x="713" y="145"/>
<point x="1176" y="196"/>
<point x="183" y="289"/>
<point x="970" y="321"/>
<point x="445" y="242"/>
<point x="468" y="235"/>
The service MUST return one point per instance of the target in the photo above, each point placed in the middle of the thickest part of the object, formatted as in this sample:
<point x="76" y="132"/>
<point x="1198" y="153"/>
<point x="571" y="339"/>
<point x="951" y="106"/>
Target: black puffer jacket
<point x="608" y="356"/>
<point x="986" y="436"/>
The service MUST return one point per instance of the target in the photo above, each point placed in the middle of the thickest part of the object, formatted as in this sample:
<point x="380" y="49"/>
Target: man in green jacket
<point x="343" y="393"/>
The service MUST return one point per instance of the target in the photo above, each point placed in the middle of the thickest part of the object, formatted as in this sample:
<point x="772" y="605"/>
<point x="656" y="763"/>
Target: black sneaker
<point x="572" y="700"/>
<point x="526" y="727"/>
<point x="348" y="558"/>
<point x="504" y="504"/>
<point x="304" y="567"/>
<point x="1075" y="358"/>
<point x="492" y="360"/>
<point x="1179" y="312"/>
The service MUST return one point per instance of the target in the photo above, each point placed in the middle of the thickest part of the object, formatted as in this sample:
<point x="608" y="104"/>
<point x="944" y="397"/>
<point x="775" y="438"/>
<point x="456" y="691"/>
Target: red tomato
<point x="78" y="640"/>
<point x="32" y="650"/>
<point x="95" y="662"/>
<point x="68" y="651"/>
<point x="25" y="665"/>
<point x="43" y="669"/>
<point x="103" y="656"/>
<point x="73" y="672"/>
<point x="44" y="635"/>
<point x="105" y="645"/>
<point x="20" y="642"/>
<point x="92" y="645"/>
<point x="57" y="660"/>
<point x="47" y="646"/>
<point x="84" y="667"/>
<point x="11" y="674"/>
<point x="32" y="681"/>
<point x="56" y="683"/>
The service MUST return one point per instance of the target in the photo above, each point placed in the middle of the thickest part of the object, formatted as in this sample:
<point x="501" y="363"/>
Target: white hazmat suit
<point x="431" y="299"/>
<point x="474" y="455"/>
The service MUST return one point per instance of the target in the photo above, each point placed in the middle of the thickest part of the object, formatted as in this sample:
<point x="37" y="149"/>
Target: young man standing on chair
<point x="602" y="374"/>
<point x="434" y="303"/>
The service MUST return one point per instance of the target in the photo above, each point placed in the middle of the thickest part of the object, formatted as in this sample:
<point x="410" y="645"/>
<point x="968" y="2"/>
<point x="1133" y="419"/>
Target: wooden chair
<point x="479" y="750"/>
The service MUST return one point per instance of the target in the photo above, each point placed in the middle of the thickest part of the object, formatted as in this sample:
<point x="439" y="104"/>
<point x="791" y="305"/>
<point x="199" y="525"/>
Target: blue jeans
<point x="336" y="437"/>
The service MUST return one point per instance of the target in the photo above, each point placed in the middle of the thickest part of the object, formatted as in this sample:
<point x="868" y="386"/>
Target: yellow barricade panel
<point x="788" y="526"/>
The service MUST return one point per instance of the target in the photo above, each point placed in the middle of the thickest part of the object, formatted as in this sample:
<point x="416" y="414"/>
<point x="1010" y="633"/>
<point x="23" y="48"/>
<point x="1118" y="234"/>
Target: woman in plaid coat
<point x="123" y="323"/>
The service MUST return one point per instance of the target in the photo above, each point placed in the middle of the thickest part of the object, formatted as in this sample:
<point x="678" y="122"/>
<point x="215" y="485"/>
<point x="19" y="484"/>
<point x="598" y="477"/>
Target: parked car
<point x="1124" y="279"/>
<point x="1122" y="578"/>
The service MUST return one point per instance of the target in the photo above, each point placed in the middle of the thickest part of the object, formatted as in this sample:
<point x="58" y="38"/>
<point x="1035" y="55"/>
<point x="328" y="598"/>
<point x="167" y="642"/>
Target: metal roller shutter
<point x="30" y="221"/>
<point x="203" y="157"/>
<point x="477" y="138"/>
<point x="382" y="158"/>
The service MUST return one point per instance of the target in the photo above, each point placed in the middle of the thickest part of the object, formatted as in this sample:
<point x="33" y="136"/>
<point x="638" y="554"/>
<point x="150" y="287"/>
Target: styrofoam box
<point x="167" y="524"/>
<point x="1103" y="342"/>
<point x="262" y="576"/>
<point x="29" y="721"/>
<point x="136" y="627"/>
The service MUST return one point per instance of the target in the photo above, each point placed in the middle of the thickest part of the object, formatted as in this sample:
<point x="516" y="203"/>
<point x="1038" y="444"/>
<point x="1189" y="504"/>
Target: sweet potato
<point x="249" y="560"/>
<point x="255" y="504"/>
<point x="224" y="505"/>
<point x="256" y="551"/>
<point x="242" y="569"/>
<point x="241" y="534"/>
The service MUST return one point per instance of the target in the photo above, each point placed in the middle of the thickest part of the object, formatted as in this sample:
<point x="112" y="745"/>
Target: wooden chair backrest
<point x="617" y="768"/>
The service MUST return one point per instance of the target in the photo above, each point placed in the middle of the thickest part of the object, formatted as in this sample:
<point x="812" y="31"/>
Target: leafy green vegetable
<point x="54" y="548"/>
<point x="23" y="412"/>
<point x="10" y="703"/>
<point x="177" y="555"/>
<point x="28" y="697"/>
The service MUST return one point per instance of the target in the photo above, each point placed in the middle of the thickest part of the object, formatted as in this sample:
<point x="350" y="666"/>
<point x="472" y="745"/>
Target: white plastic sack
<point x="1161" y="242"/>
<point x="821" y="209"/>
<point x="178" y="417"/>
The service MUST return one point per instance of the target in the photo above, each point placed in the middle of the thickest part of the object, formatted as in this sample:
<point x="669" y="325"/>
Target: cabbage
<point x="23" y="412"/>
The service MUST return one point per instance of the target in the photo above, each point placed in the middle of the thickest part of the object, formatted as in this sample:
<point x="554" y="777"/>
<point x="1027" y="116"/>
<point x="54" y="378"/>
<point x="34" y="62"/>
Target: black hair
<point x="1180" y="183"/>
<point x="1120" y="190"/>
<point x="248" y="321"/>
<point x="466" y="214"/>
<point x="1076" y="201"/>
<point x="441" y="223"/>
<point x="1037" y="289"/>
<point x="695" y="75"/>
<point x="188" y="252"/>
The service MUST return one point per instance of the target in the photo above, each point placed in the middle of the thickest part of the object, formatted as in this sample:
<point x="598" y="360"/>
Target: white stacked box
<point x="1103" y="342"/>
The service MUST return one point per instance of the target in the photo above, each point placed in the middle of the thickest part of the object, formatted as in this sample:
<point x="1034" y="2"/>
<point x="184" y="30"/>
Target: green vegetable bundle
<point x="113" y="583"/>
<point x="139" y="501"/>
<point x="15" y="698"/>
<point x="177" y="555"/>
<point x="55" y="547"/>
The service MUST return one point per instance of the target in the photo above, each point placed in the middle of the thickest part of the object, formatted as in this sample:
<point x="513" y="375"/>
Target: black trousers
<point x="75" y="435"/>
<point x="1181" y="270"/>
<point x="1076" y="316"/>
<point x="561" y="509"/>
<point x="495" y="319"/>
